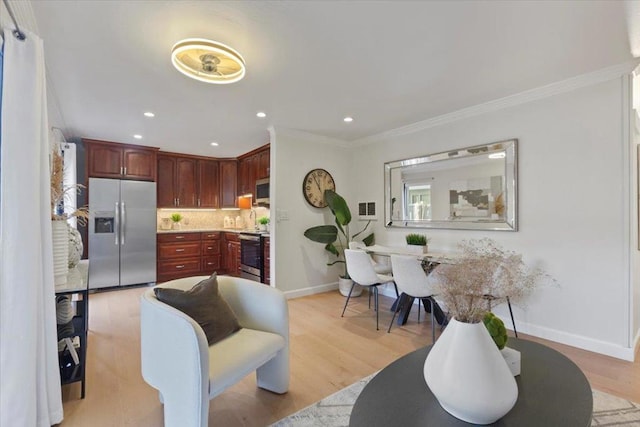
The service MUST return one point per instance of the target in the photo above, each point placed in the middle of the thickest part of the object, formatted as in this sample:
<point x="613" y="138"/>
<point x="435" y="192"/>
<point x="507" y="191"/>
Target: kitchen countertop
<point x="223" y="230"/>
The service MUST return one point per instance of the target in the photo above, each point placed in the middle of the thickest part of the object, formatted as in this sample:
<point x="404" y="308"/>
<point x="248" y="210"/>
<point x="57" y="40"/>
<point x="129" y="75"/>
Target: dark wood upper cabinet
<point x="251" y="167"/>
<point x="202" y="182"/>
<point x="243" y="176"/>
<point x="228" y="183"/>
<point x="120" y="161"/>
<point x="166" y="188"/>
<point x="177" y="181"/>
<point x="264" y="163"/>
<point x="208" y="184"/>
<point x="186" y="182"/>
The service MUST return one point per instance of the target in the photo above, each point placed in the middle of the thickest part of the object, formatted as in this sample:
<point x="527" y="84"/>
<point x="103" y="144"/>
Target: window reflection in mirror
<point x="470" y="188"/>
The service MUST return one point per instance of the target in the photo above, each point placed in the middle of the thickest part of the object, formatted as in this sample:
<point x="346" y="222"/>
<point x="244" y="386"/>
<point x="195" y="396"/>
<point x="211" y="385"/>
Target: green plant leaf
<point x="338" y="207"/>
<point x="369" y="240"/>
<point x="331" y="248"/>
<point x="322" y="234"/>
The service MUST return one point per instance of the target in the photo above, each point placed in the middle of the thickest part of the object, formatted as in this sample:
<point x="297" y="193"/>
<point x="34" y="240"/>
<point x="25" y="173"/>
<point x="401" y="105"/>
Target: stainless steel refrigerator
<point x="122" y="232"/>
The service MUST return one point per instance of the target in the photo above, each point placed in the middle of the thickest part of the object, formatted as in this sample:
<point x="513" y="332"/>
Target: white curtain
<point x="29" y="374"/>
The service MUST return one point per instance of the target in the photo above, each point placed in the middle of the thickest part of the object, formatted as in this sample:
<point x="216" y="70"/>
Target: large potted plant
<point x="337" y="237"/>
<point x="465" y="369"/>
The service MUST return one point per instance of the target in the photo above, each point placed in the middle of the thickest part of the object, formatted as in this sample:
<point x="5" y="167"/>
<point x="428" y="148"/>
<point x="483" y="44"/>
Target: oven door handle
<point x="249" y="237"/>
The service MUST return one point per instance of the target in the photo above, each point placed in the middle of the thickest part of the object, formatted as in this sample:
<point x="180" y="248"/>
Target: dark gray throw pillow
<point x="204" y="304"/>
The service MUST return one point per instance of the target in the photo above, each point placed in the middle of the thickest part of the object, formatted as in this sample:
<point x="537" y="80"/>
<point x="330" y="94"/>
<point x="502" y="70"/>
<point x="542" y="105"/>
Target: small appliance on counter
<point x="165" y="224"/>
<point x="228" y="222"/>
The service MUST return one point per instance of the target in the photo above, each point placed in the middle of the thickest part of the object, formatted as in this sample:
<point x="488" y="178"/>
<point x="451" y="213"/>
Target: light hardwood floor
<point x="328" y="353"/>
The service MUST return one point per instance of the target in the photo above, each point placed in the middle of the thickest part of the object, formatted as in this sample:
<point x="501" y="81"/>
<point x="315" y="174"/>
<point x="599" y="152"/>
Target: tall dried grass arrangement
<point x="59" y="192"/>
<point x="484" y="273"/>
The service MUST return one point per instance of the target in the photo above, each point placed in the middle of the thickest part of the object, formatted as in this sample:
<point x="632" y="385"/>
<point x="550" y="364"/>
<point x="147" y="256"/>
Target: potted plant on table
<point x="417" y="243"/>
<point x="337" y="237"/>
<point x="464" y="369"/>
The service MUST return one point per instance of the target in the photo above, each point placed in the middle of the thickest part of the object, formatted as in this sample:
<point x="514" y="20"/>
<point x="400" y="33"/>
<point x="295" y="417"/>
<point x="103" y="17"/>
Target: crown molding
<point x="542" y="92"/>
<point x="320" y="139"/>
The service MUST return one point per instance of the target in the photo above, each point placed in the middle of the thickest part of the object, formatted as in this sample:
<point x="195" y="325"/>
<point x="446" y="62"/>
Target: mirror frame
<point x="509" y="223"/>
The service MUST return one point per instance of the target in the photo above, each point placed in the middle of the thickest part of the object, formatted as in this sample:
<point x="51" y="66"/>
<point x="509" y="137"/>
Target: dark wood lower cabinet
<point x="187" y="254"/>
<point x="232" y="254"/>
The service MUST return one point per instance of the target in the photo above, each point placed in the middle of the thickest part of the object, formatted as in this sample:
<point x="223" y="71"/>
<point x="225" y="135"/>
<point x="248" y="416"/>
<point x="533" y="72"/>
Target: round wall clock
<point x="314" y="184"/>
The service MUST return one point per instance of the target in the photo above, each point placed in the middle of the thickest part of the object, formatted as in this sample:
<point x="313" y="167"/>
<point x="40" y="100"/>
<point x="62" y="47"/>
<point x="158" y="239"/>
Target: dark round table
<point x="552" y="391"/>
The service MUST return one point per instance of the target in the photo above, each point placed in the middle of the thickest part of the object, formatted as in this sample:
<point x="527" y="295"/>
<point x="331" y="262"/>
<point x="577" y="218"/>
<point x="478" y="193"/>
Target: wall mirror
<point x="472" y="188"/>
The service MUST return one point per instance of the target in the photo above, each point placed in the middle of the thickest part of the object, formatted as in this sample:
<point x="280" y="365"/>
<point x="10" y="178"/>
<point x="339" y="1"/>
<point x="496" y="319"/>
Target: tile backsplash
<point x="206" y="219"/>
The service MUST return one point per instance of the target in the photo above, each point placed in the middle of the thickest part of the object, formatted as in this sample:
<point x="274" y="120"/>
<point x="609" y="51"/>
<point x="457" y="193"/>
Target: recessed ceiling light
<point x="500" y="155"/>
<point x="214" y="144"/>
<point x="348" y="119"/>
<point x="149" y="114"/>
<point x="136" y="136"/>
<point x="207" y="61"/>
<point x="261" y="114"/>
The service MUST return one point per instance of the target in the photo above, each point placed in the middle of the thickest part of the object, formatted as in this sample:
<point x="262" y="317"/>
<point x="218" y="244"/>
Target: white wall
<point x="574" y="206"/>
<point x="301" y="264"/>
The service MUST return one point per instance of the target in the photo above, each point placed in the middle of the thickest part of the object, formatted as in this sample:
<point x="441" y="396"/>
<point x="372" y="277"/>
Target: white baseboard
<point x="311" y="290"/>
<point x="555" y="335"/>
<point x="585" y="343"/>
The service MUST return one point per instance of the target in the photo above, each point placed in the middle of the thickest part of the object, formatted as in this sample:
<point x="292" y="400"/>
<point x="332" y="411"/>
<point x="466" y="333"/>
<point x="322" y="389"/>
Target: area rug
<point x="335" y="410"/>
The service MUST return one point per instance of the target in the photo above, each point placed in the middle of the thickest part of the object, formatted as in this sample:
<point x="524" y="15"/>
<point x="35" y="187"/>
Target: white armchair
<point x="178" y="362"/>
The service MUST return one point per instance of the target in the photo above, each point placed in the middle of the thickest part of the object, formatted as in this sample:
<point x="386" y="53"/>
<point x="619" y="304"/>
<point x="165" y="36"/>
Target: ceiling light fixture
<point x="348" y="119"/>
<point x="261" y="114"/>
<point x="214" y="144"/>
<point x="500" y="155"/>
<point x="149" y="114"/>
<point x="136" y="136"/>
<point x="208" y="61"/>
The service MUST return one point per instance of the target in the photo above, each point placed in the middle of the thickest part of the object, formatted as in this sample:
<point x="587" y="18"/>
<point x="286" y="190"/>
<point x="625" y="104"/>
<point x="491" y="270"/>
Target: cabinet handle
<point x="125" y="170"/>
<point x="198" y="202"/>
<point x="209" y="247"/>
<point x="178" y="199"/>
<point x="209" y="263"/>
<point x="179" y="250"/>
<point x="179" y="266"/>
<point x="121" y="170"/>
<point x="179" y="237"/>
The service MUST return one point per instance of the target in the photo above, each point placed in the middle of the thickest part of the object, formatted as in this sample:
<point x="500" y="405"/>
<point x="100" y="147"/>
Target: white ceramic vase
<point x="75" y="247"/>
<point x="468" y="375"/>
<point x="60" y="235"/>
<point x="344" y="285"/>
<point x="64" y="310"/>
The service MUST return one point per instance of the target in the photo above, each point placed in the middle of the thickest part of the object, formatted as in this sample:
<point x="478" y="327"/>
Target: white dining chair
<point x="379" y="267"/>
<point x="413" y="282"/>
<point x="362" y="273"/>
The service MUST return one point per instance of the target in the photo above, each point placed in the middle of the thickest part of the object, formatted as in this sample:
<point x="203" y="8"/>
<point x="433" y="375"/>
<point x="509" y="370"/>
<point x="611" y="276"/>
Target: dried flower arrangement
<point x="59" y="192"/>
<point x="482" y="274"/>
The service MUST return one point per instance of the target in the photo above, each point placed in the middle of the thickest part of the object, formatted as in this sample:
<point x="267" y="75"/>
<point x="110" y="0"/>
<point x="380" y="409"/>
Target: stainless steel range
<point x="251" y="257"/>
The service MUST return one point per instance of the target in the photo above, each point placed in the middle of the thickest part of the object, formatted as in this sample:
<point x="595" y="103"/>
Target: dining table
<point x="430" y="260"/>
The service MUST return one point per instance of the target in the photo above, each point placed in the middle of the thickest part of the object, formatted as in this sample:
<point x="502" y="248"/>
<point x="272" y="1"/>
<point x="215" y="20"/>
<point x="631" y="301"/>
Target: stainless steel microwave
<point x="262" y="191"/>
